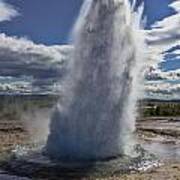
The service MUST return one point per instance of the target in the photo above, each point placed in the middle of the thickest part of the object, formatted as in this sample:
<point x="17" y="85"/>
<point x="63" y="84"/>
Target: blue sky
<point x="50" y="21"/>
<point x="43" y="21"/>
<point x="156" y="10"/>
<point x="32" y="33"/>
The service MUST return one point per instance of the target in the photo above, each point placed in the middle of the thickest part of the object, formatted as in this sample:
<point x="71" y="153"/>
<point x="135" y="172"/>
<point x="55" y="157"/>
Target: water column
<point x="95" y="117"/>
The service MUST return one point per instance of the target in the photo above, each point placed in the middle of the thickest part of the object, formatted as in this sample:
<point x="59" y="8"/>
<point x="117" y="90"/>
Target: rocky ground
<point x="160" y="135"/>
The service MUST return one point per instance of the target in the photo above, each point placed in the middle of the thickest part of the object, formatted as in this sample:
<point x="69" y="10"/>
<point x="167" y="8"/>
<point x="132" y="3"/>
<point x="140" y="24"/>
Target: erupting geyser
<point x="95" y="118"/>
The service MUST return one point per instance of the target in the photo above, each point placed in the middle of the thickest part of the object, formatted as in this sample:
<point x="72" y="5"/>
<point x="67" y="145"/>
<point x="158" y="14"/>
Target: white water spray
<point x="96" y="116"/>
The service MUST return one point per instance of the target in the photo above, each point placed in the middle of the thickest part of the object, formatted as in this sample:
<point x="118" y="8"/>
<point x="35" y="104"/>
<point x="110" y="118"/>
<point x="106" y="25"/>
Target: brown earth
<point x="164" y="130"/>
<point x="12" y="133"/>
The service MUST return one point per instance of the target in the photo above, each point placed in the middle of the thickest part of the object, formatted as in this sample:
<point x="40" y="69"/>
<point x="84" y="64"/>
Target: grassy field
<point x="156" y="108"/>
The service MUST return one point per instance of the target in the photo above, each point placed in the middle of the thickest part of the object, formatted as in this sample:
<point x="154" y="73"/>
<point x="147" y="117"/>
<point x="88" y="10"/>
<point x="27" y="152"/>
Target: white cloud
<point x="23" y="57"/>
<point x="7" y="12"/>
<point x="164" y="41"/>
<point x="177" y="51"/>
<point x="27" y="67"/>
<point x="20" y="58"/>
<point x="164" y="35"/>
<point x="157" y="74"/>
<point x="31" y="68"/>
<point x="176" y="5"/>
<point x="166" y="88"/>
<point x="163" y="90"/>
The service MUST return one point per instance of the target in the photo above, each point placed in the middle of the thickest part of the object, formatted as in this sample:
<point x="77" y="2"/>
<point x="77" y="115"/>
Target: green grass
<point x="160" y="108"/>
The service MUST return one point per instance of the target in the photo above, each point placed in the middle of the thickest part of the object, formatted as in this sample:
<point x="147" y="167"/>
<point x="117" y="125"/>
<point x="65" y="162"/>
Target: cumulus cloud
<point x="157" y="74"/>
<point x="7" y="12"/>
<point x="26" y="67"/>
<point x="177" y="51"/>
<point x="23" y="57"/>
<point x="163" y="90"/>
<point x="176" y="5"/>
<point x="163" y="48"/>
<point x="164" y="35"/>
<point x="13" y="85"/>
<point x="31" y="68"/>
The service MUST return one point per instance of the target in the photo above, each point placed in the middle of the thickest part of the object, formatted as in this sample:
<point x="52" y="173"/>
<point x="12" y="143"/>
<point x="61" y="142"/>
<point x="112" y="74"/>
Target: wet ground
<point x="160" y="136"/>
